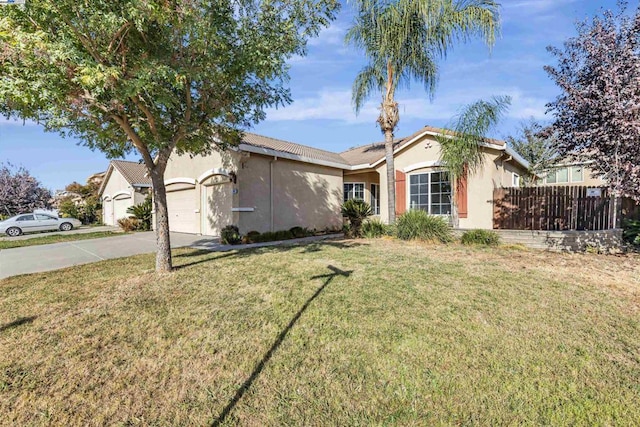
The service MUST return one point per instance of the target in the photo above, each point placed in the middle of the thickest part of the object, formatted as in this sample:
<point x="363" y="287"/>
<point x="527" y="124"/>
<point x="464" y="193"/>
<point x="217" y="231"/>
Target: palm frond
<point x="370" y="78"/>
<point x="460" y="149"/>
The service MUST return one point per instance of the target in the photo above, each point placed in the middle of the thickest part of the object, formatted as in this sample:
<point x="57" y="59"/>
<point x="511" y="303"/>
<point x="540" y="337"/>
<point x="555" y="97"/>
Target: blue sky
<point x="321" y="114"/>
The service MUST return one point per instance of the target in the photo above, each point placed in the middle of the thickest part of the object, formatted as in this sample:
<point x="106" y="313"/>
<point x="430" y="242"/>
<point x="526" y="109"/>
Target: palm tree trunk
<point x="391" y="176"/>
<point x="163" y="254"/>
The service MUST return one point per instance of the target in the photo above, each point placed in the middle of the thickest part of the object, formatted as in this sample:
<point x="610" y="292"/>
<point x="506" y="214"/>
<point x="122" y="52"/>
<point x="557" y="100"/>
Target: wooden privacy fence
<point x="557" y="208"/>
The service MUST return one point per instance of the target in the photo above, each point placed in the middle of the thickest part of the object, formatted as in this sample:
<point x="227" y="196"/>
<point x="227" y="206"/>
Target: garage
<point x="181" y="207"/>
<point x="217" y="203"/>
<point x="107" y="212"/>
<point x="120" y="206"/>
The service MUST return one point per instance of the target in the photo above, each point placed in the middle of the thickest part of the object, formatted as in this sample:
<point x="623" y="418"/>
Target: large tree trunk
<point x="163" y="254"/>
<point x="391" y="175"/>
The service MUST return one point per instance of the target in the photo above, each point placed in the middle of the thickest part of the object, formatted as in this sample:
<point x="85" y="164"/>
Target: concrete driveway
<point x="33" y="259"/>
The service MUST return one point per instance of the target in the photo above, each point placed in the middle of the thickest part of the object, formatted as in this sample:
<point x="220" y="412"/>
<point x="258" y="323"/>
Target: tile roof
<point x="366" y="154"/>
<point x="292" y="148"/>
<point x="133" y="172"/>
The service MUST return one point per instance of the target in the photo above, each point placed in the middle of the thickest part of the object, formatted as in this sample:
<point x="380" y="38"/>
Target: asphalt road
<point x="33" y="259"/>
<point x="82" y="230"/>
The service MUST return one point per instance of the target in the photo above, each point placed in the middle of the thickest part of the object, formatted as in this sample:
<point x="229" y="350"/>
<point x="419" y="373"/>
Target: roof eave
<point x="276" y="153"/>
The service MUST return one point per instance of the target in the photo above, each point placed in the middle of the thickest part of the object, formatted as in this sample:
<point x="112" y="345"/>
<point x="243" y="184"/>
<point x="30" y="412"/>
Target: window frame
<point x="430" y="194"/>
<point x="515" y="179"/>
<point x="375" y="202"/>
<point x="581" y="173"/>
<point x="364" y="187"/>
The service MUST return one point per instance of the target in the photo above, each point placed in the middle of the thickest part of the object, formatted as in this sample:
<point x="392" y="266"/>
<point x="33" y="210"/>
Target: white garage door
<point x="120" y="209"/>
<point x="182" y="211"/>
<point x="217" y="204"/>
<point x="107" y="212"/>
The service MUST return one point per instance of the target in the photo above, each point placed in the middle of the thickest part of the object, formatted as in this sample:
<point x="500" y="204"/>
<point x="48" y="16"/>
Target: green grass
<point x="54" y="238"/>
<point x="408" y="334"/>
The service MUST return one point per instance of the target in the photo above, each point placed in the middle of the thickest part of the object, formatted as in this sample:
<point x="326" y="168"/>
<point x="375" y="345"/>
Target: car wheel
<point x="14" y="231"/>
<point x="66" y="226"/>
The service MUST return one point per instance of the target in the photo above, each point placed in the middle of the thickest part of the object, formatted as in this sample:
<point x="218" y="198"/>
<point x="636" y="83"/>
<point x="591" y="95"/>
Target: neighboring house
<point x="267" y="184"/>
<point x="61" y="195"/>
<point x="125" y="184"/>
<point x="570" y="174"/>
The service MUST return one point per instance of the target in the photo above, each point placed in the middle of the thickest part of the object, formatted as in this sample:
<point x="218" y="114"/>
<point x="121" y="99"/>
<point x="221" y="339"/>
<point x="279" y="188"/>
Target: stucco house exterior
<point x="125" y="184"/>
<point x="266" y="184"/>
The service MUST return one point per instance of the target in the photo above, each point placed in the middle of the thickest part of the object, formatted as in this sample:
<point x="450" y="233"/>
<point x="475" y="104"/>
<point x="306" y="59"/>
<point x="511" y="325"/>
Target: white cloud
<point x="335" y="104"/>
<point x="332" y="35"/>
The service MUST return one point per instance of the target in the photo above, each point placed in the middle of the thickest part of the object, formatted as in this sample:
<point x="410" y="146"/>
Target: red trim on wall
<point x="461" y="196"/>
<point x="401" y="193"/>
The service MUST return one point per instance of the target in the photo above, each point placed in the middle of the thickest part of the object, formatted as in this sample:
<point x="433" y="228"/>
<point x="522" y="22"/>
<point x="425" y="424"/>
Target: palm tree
<point x="461" y="148"/>
<point x="403" y="39"/>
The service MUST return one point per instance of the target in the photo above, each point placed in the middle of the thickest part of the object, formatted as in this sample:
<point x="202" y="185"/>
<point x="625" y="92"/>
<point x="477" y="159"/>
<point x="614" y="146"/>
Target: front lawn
<point x="55" y="238"/>
<point x="335" y="333"/>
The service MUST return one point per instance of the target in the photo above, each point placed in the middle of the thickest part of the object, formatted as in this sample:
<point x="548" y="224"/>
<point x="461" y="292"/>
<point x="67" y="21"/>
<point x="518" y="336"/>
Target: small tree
<point x="535" y="146"/>
<point x="20" y="192"/>
<point x="153" y="76"/>
<point x="597" y="114"/>
<point x="460" y="149"/>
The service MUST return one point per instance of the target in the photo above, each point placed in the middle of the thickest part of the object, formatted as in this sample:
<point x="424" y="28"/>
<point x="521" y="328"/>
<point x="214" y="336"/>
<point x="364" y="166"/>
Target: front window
<point x="558" y="176"/>
<point x="516" y="180"/>
<point x="577" y="174"/>
<point x="353" y="191"/>
<point x="430" y="192"/>
<point x="375" y="198"/>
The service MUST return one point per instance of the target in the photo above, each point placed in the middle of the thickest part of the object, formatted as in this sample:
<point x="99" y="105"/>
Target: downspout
<point x="275" y="159"/>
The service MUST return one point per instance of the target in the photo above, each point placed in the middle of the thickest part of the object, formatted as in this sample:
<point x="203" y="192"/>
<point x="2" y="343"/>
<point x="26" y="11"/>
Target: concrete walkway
<point x="34" y="259"/>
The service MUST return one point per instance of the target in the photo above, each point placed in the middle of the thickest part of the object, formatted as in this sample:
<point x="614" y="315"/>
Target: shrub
<point x="68" y="208"/>
<point x="129" y="224"/>
<point x="417" y="224"/>
<point x="143" y="213"/>
<point x="374" y="228"/>
<point x="230" y="235"/>
<point x="356" y="211"/>
<point x="480" y="237"/>
<point x="300" y="232"/>
<point x="631" y="231"/>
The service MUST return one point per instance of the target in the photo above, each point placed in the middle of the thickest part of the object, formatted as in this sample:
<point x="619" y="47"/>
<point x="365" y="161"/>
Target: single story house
<point x="267" y="184"/>
<point x="125" y="184"/>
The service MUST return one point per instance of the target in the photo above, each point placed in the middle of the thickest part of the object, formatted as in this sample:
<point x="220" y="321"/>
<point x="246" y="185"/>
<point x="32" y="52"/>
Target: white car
<point x="31" y="222"/>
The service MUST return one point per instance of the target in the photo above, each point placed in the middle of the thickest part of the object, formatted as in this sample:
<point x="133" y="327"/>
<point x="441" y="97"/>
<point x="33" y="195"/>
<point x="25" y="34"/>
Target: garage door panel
<point x="181" y="207"/>
<point x="107" y="212"/>
<point x="120" y="207"/>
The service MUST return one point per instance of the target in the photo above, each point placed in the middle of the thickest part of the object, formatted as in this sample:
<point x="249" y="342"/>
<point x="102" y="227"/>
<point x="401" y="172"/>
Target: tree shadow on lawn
<point x="328" y="278"/>
<point x="18" y="322"/>
<point x="243" y="253"/>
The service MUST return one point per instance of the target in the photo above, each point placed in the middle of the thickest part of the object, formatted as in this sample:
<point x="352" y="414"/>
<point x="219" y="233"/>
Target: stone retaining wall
<point x="564" y="241"/>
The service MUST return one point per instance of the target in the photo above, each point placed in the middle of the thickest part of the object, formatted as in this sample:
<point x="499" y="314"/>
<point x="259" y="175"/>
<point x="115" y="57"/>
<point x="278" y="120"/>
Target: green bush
<point x="301" y="232"/>
<point x="230" y="235"/>
<point x="631" y="231"/>
<point x="356" y="211"/>
<point x="374" y="228"/>
<point x="417" y="224"/>
<point x="68" y="209"/>
<point x="143" y="213"/>
<point x="480" y="237"/>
